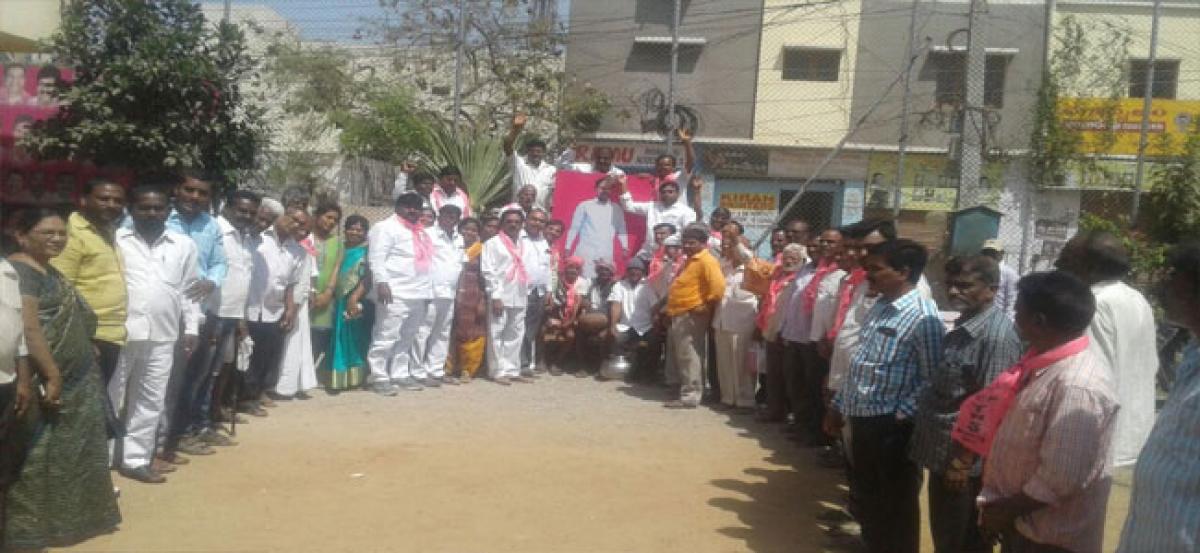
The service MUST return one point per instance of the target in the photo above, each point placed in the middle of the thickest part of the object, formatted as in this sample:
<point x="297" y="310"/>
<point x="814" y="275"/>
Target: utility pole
<point x="458" y="62"/>
<point x="1147" y="100"/>
<point x="971" y="154"/>
<point x="910" y="59"/>
<point x="671" y="121"/>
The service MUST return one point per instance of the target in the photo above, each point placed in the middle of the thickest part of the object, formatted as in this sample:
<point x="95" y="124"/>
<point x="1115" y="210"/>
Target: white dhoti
<point x="139" y="389"/>
<point x="432" y="345"/>
<point x="504" y="342"/>
<point x="297" y="369"/>
<point x="737" y="384"/>
<point x="392" y="339"/>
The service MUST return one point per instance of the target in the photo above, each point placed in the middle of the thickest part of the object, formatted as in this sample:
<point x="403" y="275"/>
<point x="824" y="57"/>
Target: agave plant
<point x="481" y="159"/>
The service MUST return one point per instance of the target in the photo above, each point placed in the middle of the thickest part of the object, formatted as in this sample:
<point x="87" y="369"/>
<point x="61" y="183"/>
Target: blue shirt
<point x="1164" y="508"/>
<point x="901" y="346"/>
<point x="206" y="233"/>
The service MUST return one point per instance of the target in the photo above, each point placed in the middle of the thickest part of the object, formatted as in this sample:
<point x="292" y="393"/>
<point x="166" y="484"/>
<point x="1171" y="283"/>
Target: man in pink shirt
<point x="1047" y="477"/>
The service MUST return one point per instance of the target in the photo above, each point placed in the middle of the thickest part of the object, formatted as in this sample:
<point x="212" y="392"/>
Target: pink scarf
<point x="308" y="245"/>
<point x="438" y="199"/>
<point x="845" y="296"/>
<point x="517" y="272"/>
<point x="980" y="416"/>
<point x="422" y="245"/>
<point x="810" y="291"/>
<point x="779" y="281"/>
<point x="656" y="264"/>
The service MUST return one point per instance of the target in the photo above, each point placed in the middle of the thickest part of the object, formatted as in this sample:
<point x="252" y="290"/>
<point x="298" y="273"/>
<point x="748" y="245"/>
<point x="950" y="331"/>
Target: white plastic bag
<point x="243" y="354"/>
<point x="756" y="358"/>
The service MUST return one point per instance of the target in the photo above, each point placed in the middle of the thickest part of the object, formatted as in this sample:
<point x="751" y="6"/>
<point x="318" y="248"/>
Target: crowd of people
<point x="134" y="329"/>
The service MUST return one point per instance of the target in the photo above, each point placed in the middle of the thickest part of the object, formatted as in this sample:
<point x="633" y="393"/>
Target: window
<point x="1166" y="78"/>
<point x="811" y="64"/>
<point x="949" y="87"/>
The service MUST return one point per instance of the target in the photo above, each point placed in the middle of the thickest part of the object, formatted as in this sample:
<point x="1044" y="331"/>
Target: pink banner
<point x="598" y="229"/>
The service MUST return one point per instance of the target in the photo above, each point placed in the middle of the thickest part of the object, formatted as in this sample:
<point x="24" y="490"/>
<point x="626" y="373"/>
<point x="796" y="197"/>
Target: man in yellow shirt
<point x="691" y="301"/>
<point x="90" y="262"/>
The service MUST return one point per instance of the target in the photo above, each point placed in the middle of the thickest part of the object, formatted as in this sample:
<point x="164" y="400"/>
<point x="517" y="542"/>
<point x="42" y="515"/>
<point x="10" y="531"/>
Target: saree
<point x="349" y="335"/>
<point x="63" y="493"/>
<point x="469" y="330"/>
<point x="326" y="254"/>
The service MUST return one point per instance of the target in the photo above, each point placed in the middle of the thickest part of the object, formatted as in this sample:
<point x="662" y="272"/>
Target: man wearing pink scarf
<point x="507" y="280"/>
<point x="1048" y="472"/>
<point x="400" y="253"/>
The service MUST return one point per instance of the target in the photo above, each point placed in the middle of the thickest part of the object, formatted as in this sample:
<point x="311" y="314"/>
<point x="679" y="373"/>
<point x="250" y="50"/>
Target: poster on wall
<point x="26" y="96"/>
<point x="756" y="211"/>
<point x="929" y="184"/>
<point x="596" y="225"/>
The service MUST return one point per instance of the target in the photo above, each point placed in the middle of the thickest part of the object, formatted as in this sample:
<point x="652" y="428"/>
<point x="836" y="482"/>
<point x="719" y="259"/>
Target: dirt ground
<point x="562" y="465"/>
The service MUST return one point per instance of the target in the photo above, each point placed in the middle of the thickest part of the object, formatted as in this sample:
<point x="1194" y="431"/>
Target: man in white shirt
<point x="450" y="191"/>
<point x="401" y="256"/>
<point x="159" y="266"/>
<point x="275" y="272"/>
<point x="433" y="340"/>
<point x="594" y="226"/>
<point x="228" y="305"/>
<point x="733" y="324"/>
<point x="507" y="280"/>
<point x="539" y="265"/>
<point x="530" y="168"/>
<point x="824" y="307"/>
<point x="632" y="305"/>
<point x="297" y="368"/>
<point x="601" y="162"/>
<point x="667" y="209"/>
<point x="1006" y="295"/>
<point x="795" y="332"/>
<point x="16" y="378"/>
<point x="1122" y="332"/>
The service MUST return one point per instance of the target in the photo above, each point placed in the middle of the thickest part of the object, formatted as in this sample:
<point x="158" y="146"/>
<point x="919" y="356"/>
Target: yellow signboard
<point x="1114" y="126"/>
<point x="748" y="201"/>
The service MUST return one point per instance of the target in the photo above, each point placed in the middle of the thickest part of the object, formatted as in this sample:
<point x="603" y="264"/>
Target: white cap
<point x="993" y="244"/>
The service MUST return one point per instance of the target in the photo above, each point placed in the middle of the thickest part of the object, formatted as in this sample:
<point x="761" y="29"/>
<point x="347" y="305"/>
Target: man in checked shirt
<point x="901" y="344"/>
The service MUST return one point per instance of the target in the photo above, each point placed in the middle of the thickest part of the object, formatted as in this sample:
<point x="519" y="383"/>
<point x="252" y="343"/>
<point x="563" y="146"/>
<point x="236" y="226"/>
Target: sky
<point x="335" y="20"/>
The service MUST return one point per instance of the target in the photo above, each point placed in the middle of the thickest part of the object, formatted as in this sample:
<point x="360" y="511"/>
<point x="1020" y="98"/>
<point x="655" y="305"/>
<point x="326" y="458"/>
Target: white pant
<point x="737" y="383"/>
<point x="396" y="326"/>
<point x="433" y="340"/>
<point x="297" y="371"/>
<point x="504" y="342"/>
<point x="139" y="387"/>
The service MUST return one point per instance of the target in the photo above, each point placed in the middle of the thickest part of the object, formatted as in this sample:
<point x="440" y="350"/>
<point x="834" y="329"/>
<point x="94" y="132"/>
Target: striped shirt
<point x="901" y="345"/>
<point x="1164" y="509"/>
<point x="973" y="354"/>
<point x="1053" y="447"/>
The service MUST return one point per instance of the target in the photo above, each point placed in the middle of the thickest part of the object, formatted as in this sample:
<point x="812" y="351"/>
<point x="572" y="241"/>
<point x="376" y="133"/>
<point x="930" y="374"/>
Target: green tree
<point x="156" y="86"/>
<point x="481" y="159"/>
<point x="1085" y="62"/>
<point x="1174" y="198"/>
<point x="512" y="61"/>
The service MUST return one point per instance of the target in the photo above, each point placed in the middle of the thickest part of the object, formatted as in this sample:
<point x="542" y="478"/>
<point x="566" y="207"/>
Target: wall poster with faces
<point x="27" y="95"/>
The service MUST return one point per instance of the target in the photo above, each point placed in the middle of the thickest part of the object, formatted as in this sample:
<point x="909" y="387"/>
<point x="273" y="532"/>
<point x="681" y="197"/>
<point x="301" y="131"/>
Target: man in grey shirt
<point x="982" y="345"/>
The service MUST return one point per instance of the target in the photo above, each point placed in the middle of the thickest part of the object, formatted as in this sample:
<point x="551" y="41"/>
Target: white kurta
<point x="297" y="369"/>
<point x="1123" y="334"/>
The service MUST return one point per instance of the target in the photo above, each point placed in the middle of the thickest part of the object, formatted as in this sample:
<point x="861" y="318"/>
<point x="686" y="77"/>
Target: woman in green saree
<point x="326" y="248"/>
<point x="350" y="331"/>
<point x="63" y="492"/>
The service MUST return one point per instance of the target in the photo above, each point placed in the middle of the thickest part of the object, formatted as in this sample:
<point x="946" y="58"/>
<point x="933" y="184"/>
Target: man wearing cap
<point x="1006" y="294"/>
